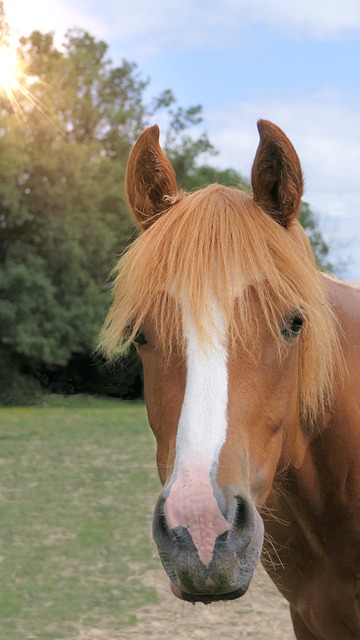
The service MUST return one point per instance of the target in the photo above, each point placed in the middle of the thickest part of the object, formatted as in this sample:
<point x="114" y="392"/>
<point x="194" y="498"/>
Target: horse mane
<point x="218" y="240"/>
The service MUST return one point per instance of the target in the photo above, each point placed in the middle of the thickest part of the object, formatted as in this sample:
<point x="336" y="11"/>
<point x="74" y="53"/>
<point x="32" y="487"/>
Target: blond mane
<point x="218" y="240"/>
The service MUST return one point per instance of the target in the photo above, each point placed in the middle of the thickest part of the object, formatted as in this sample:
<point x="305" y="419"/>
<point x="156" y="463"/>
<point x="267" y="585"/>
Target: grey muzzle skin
<point x="235" y="556"/>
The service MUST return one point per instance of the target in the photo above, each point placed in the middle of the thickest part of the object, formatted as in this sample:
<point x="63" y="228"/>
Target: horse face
<point x="224" y="412"/>
<point x="225" y="419"/>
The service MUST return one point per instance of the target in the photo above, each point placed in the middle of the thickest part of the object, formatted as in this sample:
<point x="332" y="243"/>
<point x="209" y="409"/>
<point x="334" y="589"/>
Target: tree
<point x="64" y="145"/>
<point x="321" y="249"/>
<point x="61" y="213"/>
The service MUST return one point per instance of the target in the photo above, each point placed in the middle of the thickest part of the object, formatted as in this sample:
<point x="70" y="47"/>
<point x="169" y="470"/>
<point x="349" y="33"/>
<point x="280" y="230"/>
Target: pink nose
<point x="191" y="504"/>
<point x="206" y="556"/>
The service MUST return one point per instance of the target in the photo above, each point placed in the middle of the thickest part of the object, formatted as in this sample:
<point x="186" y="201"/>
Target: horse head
<point x="221" y="296"/>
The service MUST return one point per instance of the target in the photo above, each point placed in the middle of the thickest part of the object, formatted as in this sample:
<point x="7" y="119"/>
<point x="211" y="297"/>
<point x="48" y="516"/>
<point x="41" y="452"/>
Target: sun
<point x="9" y="68"/>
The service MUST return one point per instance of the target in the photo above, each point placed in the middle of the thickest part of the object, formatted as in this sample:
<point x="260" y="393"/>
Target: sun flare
<point x="9" y="68"/>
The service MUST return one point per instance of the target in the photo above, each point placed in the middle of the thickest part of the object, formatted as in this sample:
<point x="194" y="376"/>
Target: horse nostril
<point x="163" y="526"/>
<point x="222" y="537"/>
<point x="241" y="515"/>
<point x="244" y="523"/>
<point x="161" y="530"/>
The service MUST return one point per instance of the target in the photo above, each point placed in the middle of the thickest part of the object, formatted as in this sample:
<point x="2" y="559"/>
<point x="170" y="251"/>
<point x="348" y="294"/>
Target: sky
<point x="294" y="62"/>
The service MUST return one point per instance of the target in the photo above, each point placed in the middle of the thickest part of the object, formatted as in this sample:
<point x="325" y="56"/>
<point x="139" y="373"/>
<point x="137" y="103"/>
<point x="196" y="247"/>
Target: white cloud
<point x="54" y="15"/>
<point x="193" y="24"/>
<point x="325" y="130"/>
<point x="161" y="25"/>
<point x="314" y="18"/>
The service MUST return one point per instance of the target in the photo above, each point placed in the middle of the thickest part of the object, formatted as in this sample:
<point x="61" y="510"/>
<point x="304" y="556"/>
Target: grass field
<point x="77" y="486"/>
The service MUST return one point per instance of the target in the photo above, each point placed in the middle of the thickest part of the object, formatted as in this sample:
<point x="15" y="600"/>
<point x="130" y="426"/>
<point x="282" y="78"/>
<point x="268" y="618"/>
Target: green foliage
<point x="320" y="248"/>
<point x="15" y="387"/>
<point x="184" y="152"/>
<point x="62" y="217"/>
<point x="198" y="177"/>
<point x="64" y="144"/>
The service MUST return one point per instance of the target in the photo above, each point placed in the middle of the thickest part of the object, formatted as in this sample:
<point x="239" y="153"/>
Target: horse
<point x="251" y="362"/>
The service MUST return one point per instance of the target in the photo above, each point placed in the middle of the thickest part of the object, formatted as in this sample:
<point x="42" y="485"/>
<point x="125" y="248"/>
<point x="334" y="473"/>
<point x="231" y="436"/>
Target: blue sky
<point x="295" y="62"/>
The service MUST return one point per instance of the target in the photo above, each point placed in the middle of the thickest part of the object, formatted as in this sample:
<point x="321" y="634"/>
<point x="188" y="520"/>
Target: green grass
<point x="77" y="485"/>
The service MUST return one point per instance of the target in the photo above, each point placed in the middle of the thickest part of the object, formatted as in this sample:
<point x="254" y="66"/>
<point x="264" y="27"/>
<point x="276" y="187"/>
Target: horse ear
<point x="276" y="175"/>
<point x="150" y="179"/>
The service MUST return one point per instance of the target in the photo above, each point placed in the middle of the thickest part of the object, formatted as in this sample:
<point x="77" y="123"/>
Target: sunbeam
<point x="16" y="84"/>
<point x="9" y="68"/>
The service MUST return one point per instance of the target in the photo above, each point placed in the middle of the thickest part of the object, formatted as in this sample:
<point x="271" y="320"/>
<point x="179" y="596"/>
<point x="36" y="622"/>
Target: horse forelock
<point x="217" y="244"/>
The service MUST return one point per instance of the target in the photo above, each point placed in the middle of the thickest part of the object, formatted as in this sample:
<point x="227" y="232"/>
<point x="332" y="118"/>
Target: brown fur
<point x="152" y="180"/>
<point x="276" y="175"/>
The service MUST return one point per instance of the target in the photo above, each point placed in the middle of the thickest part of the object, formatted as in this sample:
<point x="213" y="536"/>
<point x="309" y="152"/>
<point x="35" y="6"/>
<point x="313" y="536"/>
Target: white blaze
<point x="191" y="502"/>
<point x="203" y="419"/>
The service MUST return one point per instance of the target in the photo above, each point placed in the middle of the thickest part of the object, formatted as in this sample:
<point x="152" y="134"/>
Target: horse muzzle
<point x="235" y="554"/>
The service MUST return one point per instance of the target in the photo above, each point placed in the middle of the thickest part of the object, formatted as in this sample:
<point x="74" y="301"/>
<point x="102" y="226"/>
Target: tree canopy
<point x="65" y="136"/>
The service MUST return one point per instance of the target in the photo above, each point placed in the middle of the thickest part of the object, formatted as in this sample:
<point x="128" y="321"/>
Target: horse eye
<point x="292" y="326"/>
<point x="140" y="339"/>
